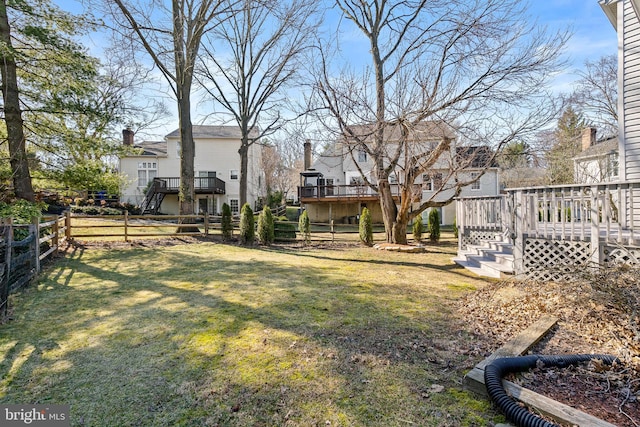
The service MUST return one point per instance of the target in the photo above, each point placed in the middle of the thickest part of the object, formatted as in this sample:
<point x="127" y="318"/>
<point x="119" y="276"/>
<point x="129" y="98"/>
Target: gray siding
<point x="631" y="93"/>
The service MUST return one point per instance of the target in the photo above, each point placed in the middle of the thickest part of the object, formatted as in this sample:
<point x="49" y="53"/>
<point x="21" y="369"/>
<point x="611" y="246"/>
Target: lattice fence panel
<point x="616" y="255"/>
<point x="476" y="237"/>
<point x="554" y="259"/>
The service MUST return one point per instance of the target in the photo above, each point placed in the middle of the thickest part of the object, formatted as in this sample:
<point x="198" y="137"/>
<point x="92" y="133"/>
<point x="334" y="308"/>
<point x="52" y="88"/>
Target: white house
<point x="333" y="189"/>
<point x="216" y="170"/>
<point x="598" y="160"/>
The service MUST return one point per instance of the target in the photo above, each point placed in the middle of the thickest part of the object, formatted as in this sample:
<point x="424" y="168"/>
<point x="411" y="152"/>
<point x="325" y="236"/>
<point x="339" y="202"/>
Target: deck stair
<point x="490" y="258"/>
<point x="152" y="200"/>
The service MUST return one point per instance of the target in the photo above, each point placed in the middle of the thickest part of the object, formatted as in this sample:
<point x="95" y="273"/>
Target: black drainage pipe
<point x="515" y="413"/>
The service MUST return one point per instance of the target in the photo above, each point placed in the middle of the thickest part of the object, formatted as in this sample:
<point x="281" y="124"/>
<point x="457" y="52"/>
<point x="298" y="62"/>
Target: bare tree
<point x="596" y="93"/>
<point x="172" y="38"/>
<point x="473" y="70"/>
<point x="249" y="61"/>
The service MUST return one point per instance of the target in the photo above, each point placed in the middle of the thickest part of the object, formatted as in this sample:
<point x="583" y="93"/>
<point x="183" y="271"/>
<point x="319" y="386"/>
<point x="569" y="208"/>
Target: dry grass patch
<point x="210" y="334"/>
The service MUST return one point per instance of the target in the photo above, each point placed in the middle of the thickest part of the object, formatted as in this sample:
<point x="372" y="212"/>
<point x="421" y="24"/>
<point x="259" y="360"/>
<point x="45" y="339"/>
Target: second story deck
<point x="202" y="185"/>
<point x="346" y="193"/>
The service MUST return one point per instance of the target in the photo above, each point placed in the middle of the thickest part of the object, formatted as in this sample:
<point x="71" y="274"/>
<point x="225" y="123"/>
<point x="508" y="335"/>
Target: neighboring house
<point x="598" y="161"/>
<point x="154" y="173"/>
<point x="335" y="190"/>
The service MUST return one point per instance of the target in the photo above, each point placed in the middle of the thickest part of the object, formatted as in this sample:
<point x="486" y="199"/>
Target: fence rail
<point x="127" y="227"/>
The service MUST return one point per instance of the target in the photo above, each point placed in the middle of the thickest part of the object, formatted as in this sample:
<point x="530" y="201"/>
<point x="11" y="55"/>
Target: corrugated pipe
<point x="498" y="368"/>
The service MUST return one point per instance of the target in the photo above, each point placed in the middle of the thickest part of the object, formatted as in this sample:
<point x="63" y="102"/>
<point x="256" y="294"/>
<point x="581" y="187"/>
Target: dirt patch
<point x="597" y="312"/>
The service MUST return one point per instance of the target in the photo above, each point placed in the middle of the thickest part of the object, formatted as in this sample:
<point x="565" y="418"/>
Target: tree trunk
<point x="244" y="165"/>
<point x="13" y="113"/>
<point x="186" y="196"/>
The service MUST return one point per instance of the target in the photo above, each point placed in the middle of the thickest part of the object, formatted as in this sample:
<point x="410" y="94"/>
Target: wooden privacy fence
<point x="23" y="247"/>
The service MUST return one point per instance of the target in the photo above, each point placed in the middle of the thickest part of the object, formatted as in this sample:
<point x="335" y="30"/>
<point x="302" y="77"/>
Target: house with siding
<point x="154" y="171"/>
<point x="624" y="15"/>
<point x="598" y="160"/>
<point x="333" y="189"/>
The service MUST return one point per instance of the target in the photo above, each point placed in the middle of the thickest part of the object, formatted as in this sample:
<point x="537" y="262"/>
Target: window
<point x="146" y="172"/>
<point x="233" y="174"/>
<point x="426" y="183"/>
<point x="476" y="184"/>
<point x="362" y="156"/>
<point x="431" y="182"/>
<point x="234" y="205"/>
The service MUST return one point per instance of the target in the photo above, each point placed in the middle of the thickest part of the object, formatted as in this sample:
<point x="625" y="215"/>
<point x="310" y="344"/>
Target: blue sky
<point x="593" y="36"/>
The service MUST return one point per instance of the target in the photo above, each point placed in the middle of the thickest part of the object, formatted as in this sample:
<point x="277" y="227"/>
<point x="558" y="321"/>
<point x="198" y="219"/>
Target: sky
<point x="593" y="36"/>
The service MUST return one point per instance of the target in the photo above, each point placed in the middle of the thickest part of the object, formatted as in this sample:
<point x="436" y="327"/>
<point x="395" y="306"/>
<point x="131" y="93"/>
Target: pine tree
<point x="247" y="225"/>
<point x="304" y="226"/>
<point x="226" y="225"/>
<point x="418" y="228"/>
<point x="266" y="233"/>
<point x="433" y="226"/>
<point x="365" y="227"/>
<point x="567" y="145"/>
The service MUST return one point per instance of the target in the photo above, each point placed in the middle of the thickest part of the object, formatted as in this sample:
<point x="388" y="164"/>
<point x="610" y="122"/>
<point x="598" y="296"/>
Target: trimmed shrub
<point x="418" y="229"/>
<point x="225" y="223"/>
<point x="304" y="226"/>
<point x="265" y="226"/>
<point x="366" y="227"/>
<point x="434" y="225"/>
<point x="247" y="225"/>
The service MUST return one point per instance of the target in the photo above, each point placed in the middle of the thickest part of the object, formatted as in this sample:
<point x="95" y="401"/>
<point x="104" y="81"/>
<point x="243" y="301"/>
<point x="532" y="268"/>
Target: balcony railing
<point x="201" y="184"/>
<point x="343" y="191"/>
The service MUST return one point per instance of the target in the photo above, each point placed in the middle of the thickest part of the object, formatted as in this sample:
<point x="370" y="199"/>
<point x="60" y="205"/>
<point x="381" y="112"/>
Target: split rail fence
<point x="23" y="247"/>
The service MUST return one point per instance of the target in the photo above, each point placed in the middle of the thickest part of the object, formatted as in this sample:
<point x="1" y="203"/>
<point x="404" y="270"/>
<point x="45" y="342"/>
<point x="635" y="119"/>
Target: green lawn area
<point x="211" y="334"/>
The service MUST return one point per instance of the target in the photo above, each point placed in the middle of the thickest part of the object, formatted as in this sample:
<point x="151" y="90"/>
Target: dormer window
<point x="362" y="156"/>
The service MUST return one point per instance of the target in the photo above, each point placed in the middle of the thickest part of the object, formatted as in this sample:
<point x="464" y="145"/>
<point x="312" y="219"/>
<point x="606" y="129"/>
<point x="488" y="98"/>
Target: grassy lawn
<point x="211" y="334"/>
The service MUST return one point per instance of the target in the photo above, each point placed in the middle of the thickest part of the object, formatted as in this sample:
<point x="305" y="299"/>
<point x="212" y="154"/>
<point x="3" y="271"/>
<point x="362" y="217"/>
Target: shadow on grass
<point x="232" y="336"/>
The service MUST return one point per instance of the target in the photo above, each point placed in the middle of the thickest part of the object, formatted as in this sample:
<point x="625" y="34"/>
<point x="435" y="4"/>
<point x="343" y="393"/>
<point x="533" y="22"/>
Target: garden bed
<point x="597" y="314"/>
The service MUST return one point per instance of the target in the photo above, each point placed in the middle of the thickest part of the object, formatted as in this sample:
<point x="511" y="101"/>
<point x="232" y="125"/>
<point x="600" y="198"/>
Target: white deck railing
<point x="607" y="213"/>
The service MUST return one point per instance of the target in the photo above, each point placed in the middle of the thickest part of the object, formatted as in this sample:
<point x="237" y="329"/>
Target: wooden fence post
<point x="7" y="236"/>
<point x="67" y="225"/>
<point x="55" y="240"/>
<point x="34" y="229"/>
<point x="332" y="230"/>
<point x="126" y="224"/>
<point x="206" y="224"/>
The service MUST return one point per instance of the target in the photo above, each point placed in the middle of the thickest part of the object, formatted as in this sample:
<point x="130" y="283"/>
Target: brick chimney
<point x="127" y="136"/>
<point x="307" y="155"/>
<point x="588" y="137"/>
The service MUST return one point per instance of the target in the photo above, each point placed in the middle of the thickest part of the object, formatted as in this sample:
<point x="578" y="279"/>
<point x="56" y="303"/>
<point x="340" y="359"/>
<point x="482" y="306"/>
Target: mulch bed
<point x="598" y="313"/>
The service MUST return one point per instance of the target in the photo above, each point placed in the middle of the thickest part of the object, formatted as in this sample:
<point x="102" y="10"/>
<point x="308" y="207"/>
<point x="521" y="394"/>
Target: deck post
<point x="595" y="222"/>
<point x="460" y="221"/>
<point x="519" y="212"/>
